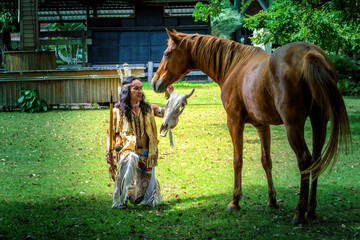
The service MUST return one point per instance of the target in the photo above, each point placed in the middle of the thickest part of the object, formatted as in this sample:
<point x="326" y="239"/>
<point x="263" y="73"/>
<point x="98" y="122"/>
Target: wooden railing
<point x="64" y="86"/>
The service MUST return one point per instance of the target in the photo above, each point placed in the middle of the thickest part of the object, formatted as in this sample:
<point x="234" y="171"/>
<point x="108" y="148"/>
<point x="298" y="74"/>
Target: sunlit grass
<point x="54" y="182"/>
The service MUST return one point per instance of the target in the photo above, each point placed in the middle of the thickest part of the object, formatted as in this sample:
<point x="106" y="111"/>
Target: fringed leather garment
<point x="135" y="179"/>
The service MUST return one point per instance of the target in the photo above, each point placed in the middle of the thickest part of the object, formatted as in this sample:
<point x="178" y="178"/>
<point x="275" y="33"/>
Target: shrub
<point x="29" y="101"/>
<point x="348" y="74"/>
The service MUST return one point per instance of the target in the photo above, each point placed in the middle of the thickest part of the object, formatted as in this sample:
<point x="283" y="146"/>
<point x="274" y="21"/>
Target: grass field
<point x="54" y="182"/>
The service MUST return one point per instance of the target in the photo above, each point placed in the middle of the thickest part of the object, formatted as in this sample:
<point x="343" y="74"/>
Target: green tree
<point x="228" y="20"/>
<point x="333" y="25"/>
<point x="205" y="11"/>
<point x="323" y="24"/>
<point x="7" y="25"/>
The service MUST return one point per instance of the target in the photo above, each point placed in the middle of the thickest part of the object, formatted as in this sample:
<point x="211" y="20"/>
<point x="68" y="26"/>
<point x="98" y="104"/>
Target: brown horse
<point x="296" y="81"/>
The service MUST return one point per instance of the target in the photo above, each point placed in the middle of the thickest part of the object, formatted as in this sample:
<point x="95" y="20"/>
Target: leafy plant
<point x="344" y="65"/>
<point x="6" y="20"/>
<point x="29" y="102"/>
<point x="349" y="87"/>
<point x="348" y="74"/>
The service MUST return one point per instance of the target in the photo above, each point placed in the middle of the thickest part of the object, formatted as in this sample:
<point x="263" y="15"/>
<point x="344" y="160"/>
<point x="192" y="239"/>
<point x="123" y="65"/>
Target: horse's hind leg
<point x="318" y="122"/>
<point x="236" y="130"/>
<point x="295" y="134"/>
<point x="264" y="134"/>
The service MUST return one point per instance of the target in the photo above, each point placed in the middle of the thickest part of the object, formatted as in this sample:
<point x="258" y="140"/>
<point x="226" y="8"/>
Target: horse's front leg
<point x="236" y="129"/>
<point x="264" y="134"/>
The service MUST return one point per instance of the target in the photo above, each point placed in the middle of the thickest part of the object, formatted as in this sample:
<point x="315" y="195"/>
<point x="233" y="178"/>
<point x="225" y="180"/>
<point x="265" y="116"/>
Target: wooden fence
<point x="30" y="60"/>
<point x="63" y="87"/>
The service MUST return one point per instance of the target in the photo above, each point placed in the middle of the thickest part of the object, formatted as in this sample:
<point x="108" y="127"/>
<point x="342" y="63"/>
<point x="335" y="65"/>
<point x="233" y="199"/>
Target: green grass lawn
<point x="54" y="182"/>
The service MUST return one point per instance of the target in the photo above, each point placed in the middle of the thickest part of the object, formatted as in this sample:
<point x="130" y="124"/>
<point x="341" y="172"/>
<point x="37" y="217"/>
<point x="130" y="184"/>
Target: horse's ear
<point x="174" y="31"/>
<point x="175" y="38"/>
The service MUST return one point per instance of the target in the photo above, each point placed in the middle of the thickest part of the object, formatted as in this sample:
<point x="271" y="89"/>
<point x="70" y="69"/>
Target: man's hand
<point x="110" y="159"/>
<point x="168" y="91"/>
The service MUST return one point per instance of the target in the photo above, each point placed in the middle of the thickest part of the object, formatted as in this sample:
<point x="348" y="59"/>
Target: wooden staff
<point x="111" y="124"/>
<point x="110" y="159"/>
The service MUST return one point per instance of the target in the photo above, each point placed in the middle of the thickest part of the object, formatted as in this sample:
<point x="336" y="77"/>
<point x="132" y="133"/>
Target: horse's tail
<point x="321" y="79"/>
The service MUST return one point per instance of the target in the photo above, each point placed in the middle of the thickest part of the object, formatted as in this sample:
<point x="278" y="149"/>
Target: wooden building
<point x="116" y="31"/>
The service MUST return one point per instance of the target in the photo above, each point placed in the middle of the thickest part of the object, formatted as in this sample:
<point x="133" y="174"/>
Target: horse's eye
<point x="166" y="54"/>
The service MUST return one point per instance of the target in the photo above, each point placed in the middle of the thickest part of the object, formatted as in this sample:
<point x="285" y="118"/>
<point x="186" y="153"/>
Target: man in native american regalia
<point x="136" y="147"/>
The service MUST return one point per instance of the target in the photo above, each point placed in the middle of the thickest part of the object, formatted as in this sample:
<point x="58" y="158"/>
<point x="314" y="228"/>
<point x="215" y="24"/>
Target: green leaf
<point x="21" y="99"/>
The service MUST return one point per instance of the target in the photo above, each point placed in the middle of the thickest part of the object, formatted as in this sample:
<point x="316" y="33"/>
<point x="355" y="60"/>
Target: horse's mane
<point x="218" y="54"/>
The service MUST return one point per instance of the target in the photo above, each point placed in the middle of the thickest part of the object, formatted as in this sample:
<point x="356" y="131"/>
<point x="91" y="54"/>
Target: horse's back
<point x="292" y="93"/>
<point x="286" y="62"/>
<point x="249" y="85"/>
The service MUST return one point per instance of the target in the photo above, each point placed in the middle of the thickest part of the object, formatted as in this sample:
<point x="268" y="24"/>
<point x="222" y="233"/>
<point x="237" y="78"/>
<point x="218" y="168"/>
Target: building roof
<point x="79" y="10"/>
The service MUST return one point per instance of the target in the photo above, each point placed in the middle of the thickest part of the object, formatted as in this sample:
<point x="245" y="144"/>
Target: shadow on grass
<point x="204" y="217"/>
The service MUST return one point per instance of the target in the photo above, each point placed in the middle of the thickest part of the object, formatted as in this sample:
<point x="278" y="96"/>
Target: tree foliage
<point x="7" y="21"/>
<point x="322" y="24"/>
<point x="7" y="25"/>
<point x="330" y="24"/>
<point x="204" y="11"/>
<point x="227" y="22"/>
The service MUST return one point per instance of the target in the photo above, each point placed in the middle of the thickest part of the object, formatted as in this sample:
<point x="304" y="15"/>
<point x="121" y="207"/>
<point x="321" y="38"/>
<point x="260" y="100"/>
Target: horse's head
<point x="174" y="65"/>
<point x="174" y="108"/>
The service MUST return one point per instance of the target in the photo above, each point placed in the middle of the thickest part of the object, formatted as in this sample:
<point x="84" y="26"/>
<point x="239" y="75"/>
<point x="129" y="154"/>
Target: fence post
<point x="150" y="70"/>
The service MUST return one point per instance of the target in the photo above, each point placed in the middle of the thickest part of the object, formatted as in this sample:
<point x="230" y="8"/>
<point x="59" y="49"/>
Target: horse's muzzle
<point x="158" y="86"/>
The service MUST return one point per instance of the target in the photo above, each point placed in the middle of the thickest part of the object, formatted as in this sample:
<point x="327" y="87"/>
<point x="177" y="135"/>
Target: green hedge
<point x="348" y="74"/>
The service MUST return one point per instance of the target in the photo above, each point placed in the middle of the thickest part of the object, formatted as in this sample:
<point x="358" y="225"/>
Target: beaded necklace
<point x="138" y="124"/>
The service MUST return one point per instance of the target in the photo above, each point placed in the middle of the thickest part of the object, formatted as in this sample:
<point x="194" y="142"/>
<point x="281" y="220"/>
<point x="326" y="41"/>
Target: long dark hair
<point x="124" y="102"/>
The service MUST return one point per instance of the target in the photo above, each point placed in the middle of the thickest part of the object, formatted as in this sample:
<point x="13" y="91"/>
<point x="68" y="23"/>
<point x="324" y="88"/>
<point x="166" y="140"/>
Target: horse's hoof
<point x="297" y="221"/>
<point x="311" y="215"/>
<point x="232" y="208"/>
<point x="273" y="204"/>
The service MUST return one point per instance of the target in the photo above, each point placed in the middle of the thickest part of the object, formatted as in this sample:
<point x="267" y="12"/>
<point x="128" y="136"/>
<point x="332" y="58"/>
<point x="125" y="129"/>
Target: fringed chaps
<point x="124" y="177"/>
